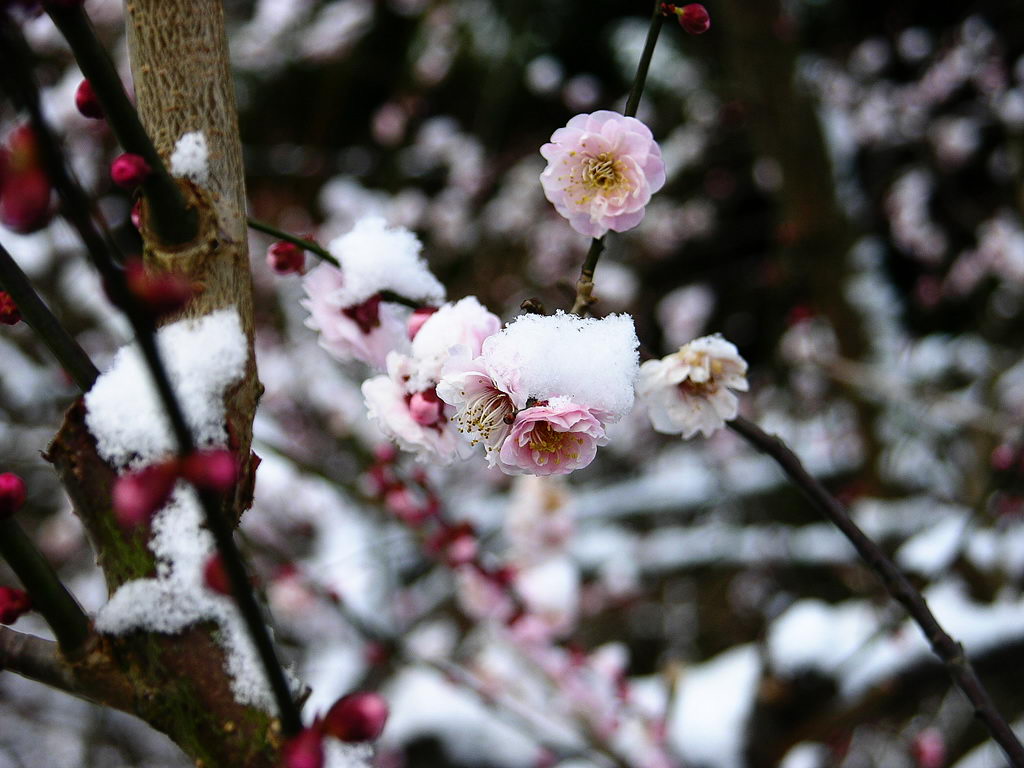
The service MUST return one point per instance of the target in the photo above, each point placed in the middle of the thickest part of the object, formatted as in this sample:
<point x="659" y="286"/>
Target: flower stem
<point x="949" y="651"/>
<point x="38" y="316"/>
<point x="174" y="222"/>
<point x="585" y="284"/>
<point x="65" y="616"/>
<point x="16" y="68"/>
<point x="308" y="245"/>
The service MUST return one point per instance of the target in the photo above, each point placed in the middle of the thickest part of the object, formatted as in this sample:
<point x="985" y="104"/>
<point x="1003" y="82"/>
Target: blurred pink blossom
<point x="602" y="170"/>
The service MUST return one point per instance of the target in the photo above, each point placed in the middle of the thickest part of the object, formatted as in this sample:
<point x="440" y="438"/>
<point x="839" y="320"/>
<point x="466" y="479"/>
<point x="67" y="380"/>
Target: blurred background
<point x="843" y="203"/>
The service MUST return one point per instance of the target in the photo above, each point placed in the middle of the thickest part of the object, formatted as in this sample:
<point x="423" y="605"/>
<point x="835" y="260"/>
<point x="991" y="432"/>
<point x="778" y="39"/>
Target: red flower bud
<point x="129" y="170"/>
<point x="418" y="318"/>
<point x="86" y="102"/>
<point x="694" y="18"/>
<point x="426" y="408"/>
<point x="404" y="505"/>
<point x="385" y="453"/>
<point x="138" y="495"/>
<point x="365" y="315"/>
<point x="24" y="198"/>
<point x="305" y="750"/>
<point x="215" y="576"/>
<point x="357" y="717"/>
<point x="211" y="470"/>
<point x="286" y="258"/>
<point x="162" y="293"/>
<point x="14" y="603"/>
<point x="12" y="494"/>
<point x="9" y="314"/>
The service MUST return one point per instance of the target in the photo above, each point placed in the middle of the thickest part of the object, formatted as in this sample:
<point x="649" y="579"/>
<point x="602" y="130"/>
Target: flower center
<point x="601" y="171"/>
<point x="365" y="315"/>
<point x="544" y="439"/>
<point x="489" y="415"/>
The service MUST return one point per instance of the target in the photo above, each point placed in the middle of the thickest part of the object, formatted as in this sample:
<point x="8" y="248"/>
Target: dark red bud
<point x="129" y="170"/>
<point x="356" y="717"/>
<point x="286" y="258"/>
<point x="215" y="576"/>
<point x="161" y="293"/>
<point x="365" y="315"/>
<point x="25" y="199"/>
<point x="12" y="494"/>
<point x="305" y="750"/>
<point x="9" y="314"/>
<point x="694" y="18"/>
<point x="14" y="603"/>
<point x="86" y="102"/>
<point x="211" y="470"/>
<point x="138" y="495"/>
<point x="418" y="318"/>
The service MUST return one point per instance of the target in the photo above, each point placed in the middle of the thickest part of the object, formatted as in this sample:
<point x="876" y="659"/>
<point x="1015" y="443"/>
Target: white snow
<point x="203" y="358"/>
<point x="592" y="362"/>
<point x="935" y="548"/>
<point x="375" y="257"/>
<point x="191" y="157"/>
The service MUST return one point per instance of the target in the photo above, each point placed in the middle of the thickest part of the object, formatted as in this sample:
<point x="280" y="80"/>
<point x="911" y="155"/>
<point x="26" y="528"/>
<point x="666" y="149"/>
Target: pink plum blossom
<point x="366" y="331"/>
<point x="602" y="170"/>
<point x="689" y="391"/>
<point x="551" y="438"/>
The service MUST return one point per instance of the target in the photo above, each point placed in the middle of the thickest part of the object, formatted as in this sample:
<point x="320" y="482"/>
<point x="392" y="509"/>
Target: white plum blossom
<point x="689" y="391"/>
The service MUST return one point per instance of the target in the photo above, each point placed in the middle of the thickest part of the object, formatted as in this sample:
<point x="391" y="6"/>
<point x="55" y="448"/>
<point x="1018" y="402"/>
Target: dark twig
<point x="65" y="616"/>
<point x="585" y="284"/>
<point x="100" y="248"/>
<point x="945" y="647"/>
<point x="39" y="317"/>
<point x="173" y="221"/>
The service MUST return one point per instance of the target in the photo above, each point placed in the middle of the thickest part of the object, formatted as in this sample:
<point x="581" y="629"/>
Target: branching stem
<point x="949" y="651"/>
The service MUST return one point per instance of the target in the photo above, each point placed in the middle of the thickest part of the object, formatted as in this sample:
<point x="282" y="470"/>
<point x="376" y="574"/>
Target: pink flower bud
<point x="385" y="453"/>
<point x="426" y="408"/>
<point x="286" y="258"/>
<point x="25" y="199"/>
<point x="305" y="750"/>
<point x="215" y="576"/>
<point x="418" y="318"/>
<point x="86" y="102"/>
<point x="138" y="495"/>
<point x="405" y="506"/>
<point x="694" y="18"/>
<point x="461" y="550"/>
<point x="929" y="749"/>
<point x="12" y="494"/>
<point x="211" y="470"/>
<point x="129" y="170"/>
<point x="161" y="293"/>
<point x="357" y="717"/>
<point x="9" y="314"/>
<point x="14" y="603"/>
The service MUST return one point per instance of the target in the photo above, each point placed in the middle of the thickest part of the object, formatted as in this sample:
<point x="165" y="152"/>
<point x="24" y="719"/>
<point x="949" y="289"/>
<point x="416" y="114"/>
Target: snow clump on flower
<point x="541" y="392"/>
<point x="346" y="305"/>
<point x="689" y="391"/>
<point x="602" y="170"/>
<point x="404" y="403"/>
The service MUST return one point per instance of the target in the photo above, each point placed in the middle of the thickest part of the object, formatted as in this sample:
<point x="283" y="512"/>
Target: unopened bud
<point x="426" y="408"/>
<point x="357" y="717"/>
<point x="25" y="199"/>
<point x="211" y="470"/>
<point x="12" y="494"/>
<point x="14" y="603"/>
<point x="305" y="750"/>
<point x="286" y="258"/>
<point x="215" y="576"/>
<point x="929" y="749"/>
<point x="129" y="170"/>
<point x="160" y="293"/>
<point x="401" y="502"/>
<point x="9" y="314"/>
<point x="138" y="495"/>
<point x="694" y="18"/>
<point x="418" y="318"/>
<point x="86" y="102"/>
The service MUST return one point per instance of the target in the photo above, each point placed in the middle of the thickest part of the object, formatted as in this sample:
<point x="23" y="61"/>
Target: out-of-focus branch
<point x="949" y="651"/>
<point x="39" y="317"/>
<point x="35" y="658"/>
<point x="173" y="220"/>
<point x="65" y="616"/>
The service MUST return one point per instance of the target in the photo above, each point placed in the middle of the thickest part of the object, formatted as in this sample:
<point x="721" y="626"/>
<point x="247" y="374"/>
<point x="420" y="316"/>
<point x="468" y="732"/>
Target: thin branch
<point x="37" y="659"/>
<point x="65" y="616"/>
<point x="949" y="651"/>
<point x="38" y="316"/>
<point x="76" y="206"/>
<point x="173" y="221"/>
